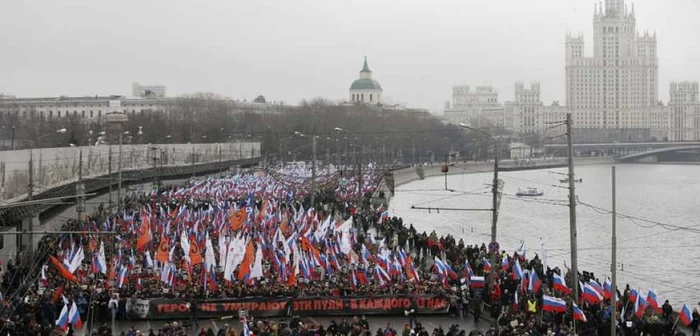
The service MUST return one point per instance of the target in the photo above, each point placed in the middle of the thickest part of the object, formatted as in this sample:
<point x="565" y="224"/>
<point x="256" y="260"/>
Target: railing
<point x="54" y="167"/>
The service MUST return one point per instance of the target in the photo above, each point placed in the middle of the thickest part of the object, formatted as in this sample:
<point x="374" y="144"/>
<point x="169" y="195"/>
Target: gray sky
<point x="289" y="50"/>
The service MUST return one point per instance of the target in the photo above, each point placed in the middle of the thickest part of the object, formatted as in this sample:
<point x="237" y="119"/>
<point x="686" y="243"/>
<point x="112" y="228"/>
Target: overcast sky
<point x="293" y="49"/>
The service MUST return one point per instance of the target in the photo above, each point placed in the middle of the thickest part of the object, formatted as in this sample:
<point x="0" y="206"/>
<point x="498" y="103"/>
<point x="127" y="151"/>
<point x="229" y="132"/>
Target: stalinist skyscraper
<point x="618" y="87"/>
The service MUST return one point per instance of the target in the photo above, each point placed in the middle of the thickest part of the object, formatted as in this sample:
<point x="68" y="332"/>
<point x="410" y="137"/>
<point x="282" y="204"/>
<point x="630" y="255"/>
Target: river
<point x="649" y="253"/>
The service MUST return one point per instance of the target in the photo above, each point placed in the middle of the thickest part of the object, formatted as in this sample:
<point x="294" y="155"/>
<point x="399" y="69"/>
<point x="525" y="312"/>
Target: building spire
<point x="365" y="67"/>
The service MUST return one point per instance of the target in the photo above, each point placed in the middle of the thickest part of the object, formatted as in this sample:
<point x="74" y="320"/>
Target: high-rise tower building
<point x="616" y="88"/>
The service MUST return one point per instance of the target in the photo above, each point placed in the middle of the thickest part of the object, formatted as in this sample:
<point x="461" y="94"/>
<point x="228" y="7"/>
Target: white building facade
<point x="613" y="95"/>
<point x="684" y="111"/>
<point x="153" y="91"/>
<point x="478" y="107"/>
<point x="88" y="109"/>
<point x="618" y="86"/>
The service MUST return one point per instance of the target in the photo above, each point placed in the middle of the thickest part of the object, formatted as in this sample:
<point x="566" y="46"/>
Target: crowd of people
<point x="257" y="234"/>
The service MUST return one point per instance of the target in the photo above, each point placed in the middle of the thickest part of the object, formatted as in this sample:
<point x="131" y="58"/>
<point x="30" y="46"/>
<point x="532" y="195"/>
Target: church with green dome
<point x="365" y="90"/>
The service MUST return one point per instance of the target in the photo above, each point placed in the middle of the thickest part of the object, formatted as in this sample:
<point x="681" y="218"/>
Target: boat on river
<point x="566" y="180"/>
<point x="529" y="192"/>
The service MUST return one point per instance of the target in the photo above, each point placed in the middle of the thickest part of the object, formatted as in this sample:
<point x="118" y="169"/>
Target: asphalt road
<point x="376" y="322"/>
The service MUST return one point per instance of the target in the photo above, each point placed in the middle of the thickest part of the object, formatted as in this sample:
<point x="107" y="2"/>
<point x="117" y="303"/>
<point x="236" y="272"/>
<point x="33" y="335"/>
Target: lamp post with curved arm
<point x="30" y="187"/>
<point x="313" y="166"/>
<point x="26" y="241"/>
<point x="362" y="149"/>
<point x="494" y="191"/>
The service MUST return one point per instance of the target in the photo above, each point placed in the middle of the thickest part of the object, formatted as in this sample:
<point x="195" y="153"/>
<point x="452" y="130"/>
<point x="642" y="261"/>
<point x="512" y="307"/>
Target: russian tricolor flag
<point x="381" y="275"/>
<point x="578" y="314"/>
<point x="591" y="295"/>
<point x="450" y="272"/>
<point x="476" y="282"/>
<point x="640" y="305"/>
<point x="517" y="271"/>
<point x="74" y="317"/>
<point x="468" y="269"/>
<point x="653" y="300"/>
<point x="598" y="288"/>
<point x="487" y="265"/>
<point x="535" y="283"/>
<point x="607" y="289"/>
<point x="633" y="295"/>
<point x="62" y="321"/>
<point x="550" y="303"/>
<point x="685" y="316"/>
<point x="560" y="284"/>
<point x="505" y="263"/>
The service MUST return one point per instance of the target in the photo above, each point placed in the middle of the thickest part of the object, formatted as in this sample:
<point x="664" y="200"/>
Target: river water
<point x="659" y="246"/>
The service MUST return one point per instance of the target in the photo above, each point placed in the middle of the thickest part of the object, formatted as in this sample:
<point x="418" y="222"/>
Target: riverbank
<point x="403" y="176"/>
<point x="662" y="193"/>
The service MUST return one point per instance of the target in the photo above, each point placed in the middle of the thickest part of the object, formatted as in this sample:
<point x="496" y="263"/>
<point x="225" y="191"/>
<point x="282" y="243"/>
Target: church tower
<point x="365" y="90"/>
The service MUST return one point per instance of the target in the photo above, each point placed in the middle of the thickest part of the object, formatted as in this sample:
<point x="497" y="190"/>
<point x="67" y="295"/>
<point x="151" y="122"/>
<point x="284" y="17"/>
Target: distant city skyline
<point x="418" y="50"/>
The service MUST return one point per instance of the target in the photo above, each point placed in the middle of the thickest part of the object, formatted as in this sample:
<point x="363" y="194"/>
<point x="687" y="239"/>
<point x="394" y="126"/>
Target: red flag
<point x="144" y="234"/>
<point x="62" y="269"/>
<point x="237" y="219"/>
<point x="247" y="263"/>
<point x="195" y="253"/>
<point x="163" y="252"/>
<point x="57" y="294"/>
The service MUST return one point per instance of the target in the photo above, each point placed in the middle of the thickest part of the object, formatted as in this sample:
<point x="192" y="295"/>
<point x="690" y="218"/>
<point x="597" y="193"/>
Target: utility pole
<point x="360" y="173"/>
<point x="80" y="189"/>
<point x="2" y="180"/>
<point x="12" y="142"/>
<point x="221" y="166"/>
<point x="494" y="191"/>
<point x="445" y="169"/>
<point x="30" y="186"/>
<point x="109" y="173"/>
<point x="313" y="171"/>
<point x="572" y="209"/>
<point x="160" y="174"/>
<point x="155" y="174"/>
<point x="193" y="160"/>
<point x="119" y="174"/>
<point x="613" y="298"/>
<point x="414" y="153"/>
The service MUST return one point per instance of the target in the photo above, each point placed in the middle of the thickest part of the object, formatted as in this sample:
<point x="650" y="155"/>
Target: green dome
<point x="365" y="84"/>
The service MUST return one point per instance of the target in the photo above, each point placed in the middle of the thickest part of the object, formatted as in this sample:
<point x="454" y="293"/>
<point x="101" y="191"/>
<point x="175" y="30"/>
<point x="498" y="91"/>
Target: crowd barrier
<point x="174" y="309"/>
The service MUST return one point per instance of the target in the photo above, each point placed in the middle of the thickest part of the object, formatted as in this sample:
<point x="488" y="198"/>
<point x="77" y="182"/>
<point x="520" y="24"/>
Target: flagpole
<point x="676" y="321"/>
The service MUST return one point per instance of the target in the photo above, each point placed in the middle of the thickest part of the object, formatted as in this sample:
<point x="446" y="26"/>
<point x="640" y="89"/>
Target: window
<point x="370" y="97"/>
<point x="59" y="114"/>
<point x="99" y="114"/>
<point x="91" y="114"/>
<point x="50" y="114"/>
<point x="82" y="113"/>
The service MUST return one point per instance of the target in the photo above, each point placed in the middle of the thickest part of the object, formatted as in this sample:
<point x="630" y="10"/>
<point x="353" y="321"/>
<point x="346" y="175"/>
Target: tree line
<point x="344" y="134"/>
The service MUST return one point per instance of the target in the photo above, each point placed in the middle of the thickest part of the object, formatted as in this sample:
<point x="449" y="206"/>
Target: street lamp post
<point x="362" y="149"/>
<point x="30" y="194"/>
<point x="119" y="174"/>
<point x="12" y="142"/>
<point x="313" y="167"/>
<point x="494" y="191"/>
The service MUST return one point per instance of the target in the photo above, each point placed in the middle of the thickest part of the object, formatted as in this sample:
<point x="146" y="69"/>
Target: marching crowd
<point x="256" y="234"/>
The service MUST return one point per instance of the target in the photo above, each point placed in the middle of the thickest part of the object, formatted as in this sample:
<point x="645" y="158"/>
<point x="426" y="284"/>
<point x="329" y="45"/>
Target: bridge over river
<point x="634" y="151"/>
<point x="56" y="172"/>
